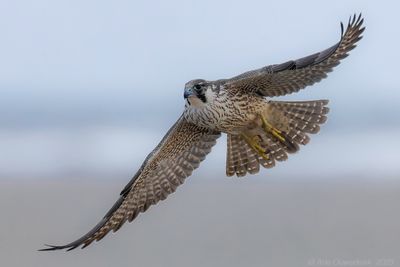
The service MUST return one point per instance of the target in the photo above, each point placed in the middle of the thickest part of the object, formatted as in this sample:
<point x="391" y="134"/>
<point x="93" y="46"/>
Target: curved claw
<point x="254" y="144"/>
<point x="268" y="128"/>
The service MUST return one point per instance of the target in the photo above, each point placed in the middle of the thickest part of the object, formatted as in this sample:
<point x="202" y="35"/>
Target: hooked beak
<point x="188" y="92"/>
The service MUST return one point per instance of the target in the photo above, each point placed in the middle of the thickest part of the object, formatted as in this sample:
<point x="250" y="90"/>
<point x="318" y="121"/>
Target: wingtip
<point x="49" y="248"/>
<point x="71" y="248"/>
<point x="53" y="248"/>
<point x="342" y="28"/>
<point x="355" y="22"/>
<point x="360" y="18"/>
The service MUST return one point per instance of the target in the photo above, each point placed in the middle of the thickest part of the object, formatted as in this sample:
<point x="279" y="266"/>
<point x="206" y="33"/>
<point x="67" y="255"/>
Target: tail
<point x="291" y="122"/>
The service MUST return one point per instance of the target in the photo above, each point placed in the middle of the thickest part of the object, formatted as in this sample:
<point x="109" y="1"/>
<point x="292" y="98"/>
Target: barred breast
<point x="227" y="112"/>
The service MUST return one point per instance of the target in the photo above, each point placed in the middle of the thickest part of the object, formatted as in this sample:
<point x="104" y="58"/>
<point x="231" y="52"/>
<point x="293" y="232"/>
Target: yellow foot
<point x="281" y="136"/>
<point x="268" y="128"/>
<point x="254" y="143"/>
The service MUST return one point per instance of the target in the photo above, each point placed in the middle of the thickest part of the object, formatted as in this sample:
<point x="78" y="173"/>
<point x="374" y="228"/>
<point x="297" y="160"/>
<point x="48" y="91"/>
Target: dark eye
<point x="197" y="87"/>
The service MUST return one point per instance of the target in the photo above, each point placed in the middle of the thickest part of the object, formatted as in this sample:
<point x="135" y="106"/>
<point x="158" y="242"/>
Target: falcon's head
<point x="199" y="93"/>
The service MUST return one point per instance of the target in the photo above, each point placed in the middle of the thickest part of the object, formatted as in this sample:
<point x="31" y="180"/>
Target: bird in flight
<point x="260" y="131"/>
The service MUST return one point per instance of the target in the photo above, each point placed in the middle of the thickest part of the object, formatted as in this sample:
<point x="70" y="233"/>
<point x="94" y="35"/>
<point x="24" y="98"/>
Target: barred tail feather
<point x="241" y="158"/>
<point x="301" y="118"/>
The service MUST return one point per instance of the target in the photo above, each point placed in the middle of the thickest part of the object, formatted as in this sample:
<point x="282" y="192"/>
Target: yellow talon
<point x="254" y="144"/>
<point x="271" y="129"/>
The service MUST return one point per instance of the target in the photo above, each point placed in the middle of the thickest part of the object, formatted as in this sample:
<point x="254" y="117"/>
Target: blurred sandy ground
<point x="209" y="221"/>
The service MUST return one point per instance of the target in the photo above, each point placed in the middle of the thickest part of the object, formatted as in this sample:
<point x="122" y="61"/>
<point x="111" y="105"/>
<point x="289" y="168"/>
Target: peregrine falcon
<point x="260" y="131"/>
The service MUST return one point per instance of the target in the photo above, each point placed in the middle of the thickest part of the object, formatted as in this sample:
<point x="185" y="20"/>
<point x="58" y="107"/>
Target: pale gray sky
<point x="74" y="70"/>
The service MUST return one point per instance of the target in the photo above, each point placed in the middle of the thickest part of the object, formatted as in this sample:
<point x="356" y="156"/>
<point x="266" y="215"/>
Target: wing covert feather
<point x="294" y="75"/>
<point x="165" y="168"/>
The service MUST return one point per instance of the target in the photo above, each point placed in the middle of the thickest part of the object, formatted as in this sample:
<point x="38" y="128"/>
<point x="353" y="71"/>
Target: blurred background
<point x="88" y="89"/>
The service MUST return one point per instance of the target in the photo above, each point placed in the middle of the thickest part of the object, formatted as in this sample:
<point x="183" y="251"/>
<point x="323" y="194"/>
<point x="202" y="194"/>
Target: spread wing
<point x="165" y="168"/>
<point x="291" y="76"/>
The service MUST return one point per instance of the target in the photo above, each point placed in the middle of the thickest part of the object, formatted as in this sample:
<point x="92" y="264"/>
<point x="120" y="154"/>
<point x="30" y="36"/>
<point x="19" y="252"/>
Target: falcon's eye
<point x="197" y="86"/>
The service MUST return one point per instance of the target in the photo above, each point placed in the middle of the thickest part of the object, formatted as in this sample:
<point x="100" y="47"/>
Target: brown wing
<point x="165" y="168"/>
<point x="291" y="76"/>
